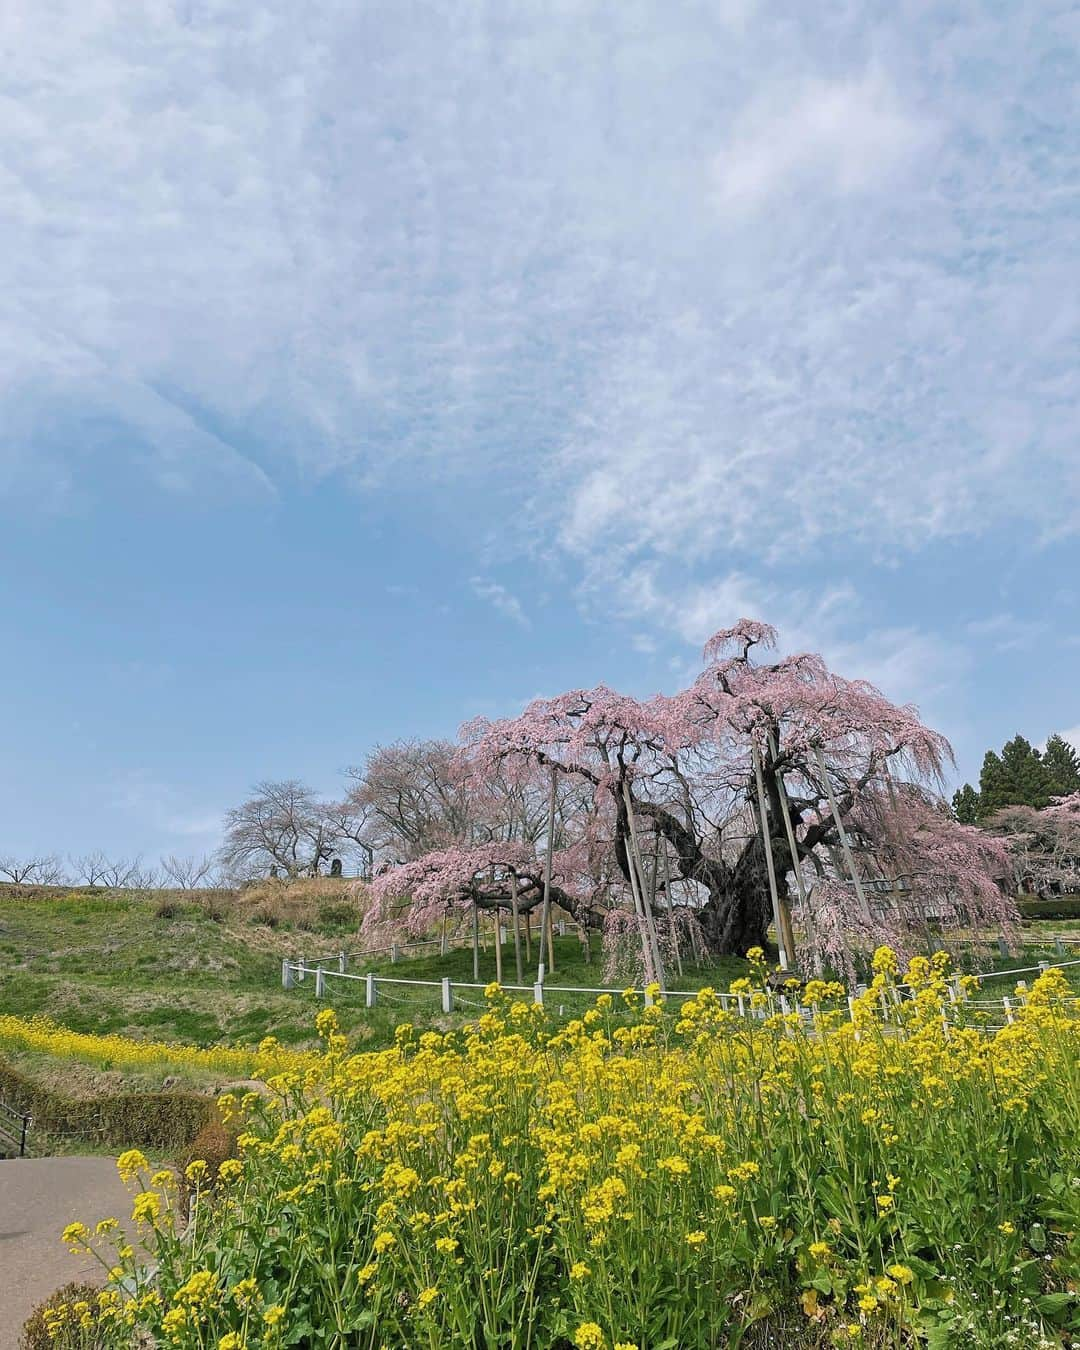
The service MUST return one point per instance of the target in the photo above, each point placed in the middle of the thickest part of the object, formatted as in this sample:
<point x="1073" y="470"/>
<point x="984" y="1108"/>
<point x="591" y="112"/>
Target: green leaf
<point x="1053" y="1305"/>
<point x="939" y="1337"/>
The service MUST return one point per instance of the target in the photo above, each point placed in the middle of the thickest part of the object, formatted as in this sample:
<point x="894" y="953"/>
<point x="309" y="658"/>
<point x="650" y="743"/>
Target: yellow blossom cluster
<point x="608" y="1185"/>
<point x="44" y="1036"/>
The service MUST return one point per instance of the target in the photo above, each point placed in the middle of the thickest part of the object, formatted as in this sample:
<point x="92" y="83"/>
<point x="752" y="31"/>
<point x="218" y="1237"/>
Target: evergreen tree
<point x="966" y="805"/>
<point x="1028" y="781"/>
<point x="1062" y="765"/>
<point x="992" y="790"/>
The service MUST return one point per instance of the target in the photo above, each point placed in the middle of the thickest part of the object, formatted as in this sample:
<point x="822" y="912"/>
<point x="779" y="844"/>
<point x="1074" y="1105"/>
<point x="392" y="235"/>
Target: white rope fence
<point x="451" y="993"/>
<point x="400" y="951"/>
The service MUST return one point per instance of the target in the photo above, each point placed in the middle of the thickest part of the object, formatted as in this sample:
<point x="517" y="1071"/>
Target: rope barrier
<point x="978" y="1008"/>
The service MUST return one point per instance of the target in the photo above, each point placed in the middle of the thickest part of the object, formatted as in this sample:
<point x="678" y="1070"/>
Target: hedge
<point x="1057" y="907"/>
<point x="163" y="1122"/>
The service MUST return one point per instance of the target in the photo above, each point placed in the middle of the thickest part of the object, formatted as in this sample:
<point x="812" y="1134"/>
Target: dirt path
<point x="39" y="1197"/>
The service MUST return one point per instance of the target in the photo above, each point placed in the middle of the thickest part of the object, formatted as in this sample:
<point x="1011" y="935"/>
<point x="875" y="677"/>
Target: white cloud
<point x="146" y="806"/>
<point x="1072" y="735"/>
<point x="698" y="264"/>
<point x="715" y="293"/>
<point x="1008" y="633"/>
<point x="503" y="601"/>
<point x="838" y="136"/>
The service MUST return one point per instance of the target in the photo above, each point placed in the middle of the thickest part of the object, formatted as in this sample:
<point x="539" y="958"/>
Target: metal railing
<point x="14" y="1130"/>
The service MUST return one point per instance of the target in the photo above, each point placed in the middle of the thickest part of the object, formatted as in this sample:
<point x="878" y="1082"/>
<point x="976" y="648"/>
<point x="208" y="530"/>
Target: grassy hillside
<point x="199" y="969"/>
<point x="207" y="968"/>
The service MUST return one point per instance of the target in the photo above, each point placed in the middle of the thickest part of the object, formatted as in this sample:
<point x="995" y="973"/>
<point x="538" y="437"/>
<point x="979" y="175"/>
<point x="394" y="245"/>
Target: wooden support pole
<point x="498" y="947"/>
<point x="770" y="866"/>
<point x="645" y="909"/>
<point x="475" y="944"/>
<point x="671" y="913"/>
<point x="845" y="844"/>
<point x="517" y="929"/>
<point x="789" y="830"/>
<point x="545" y="911"/>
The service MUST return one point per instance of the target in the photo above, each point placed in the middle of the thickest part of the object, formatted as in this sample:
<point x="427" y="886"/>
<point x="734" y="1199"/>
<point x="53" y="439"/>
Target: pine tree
<point x="966" y="805"/>
<point x="1026" y="780"/>
<point x="1062" y="765"/>
<point x="993" y="794"/>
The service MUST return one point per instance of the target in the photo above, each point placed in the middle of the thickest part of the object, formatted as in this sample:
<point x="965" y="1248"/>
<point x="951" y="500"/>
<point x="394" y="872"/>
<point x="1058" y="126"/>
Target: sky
<point x="367" y="367"/>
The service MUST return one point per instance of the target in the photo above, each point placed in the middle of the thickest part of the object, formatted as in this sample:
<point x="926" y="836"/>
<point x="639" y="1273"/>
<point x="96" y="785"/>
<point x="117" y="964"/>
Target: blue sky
<point x="361" y="371"/>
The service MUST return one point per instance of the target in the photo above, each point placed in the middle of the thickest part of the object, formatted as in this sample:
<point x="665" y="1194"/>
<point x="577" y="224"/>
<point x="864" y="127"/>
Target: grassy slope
<point x="108" y="962"/>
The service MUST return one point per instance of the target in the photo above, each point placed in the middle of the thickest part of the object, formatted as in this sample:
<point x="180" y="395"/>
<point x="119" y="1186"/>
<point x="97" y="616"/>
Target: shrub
<point x="338" y="916"/>
<point x="212" y="906"/>
<point x="168" y="908"/>
<point x="161" y="1121"/>
<point x="1059" y="907"/>
<point x="35" y="1333"/>
<point x="214" y="1143"/>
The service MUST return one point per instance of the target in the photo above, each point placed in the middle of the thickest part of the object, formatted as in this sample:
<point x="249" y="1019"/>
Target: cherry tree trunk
<point x="738" y="912"/>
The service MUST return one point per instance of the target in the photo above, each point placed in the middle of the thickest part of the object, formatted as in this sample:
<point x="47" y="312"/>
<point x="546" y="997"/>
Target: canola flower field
<point x="41" y="1035"/>
<point x="642" y="1178"/>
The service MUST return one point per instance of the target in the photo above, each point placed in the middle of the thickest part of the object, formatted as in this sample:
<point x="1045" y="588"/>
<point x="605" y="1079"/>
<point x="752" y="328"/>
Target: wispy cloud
<point x="710" y="290"/>
<point x="698" y="264"/>
<point x="503" y="601"/>
<point x="1008" y="633"/>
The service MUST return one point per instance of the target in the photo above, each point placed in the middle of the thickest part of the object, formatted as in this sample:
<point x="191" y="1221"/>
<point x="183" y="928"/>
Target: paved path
<point x="39" y="1197"/>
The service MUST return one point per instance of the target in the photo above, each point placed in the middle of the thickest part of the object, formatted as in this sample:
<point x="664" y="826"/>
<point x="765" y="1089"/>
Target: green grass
<point x="108" y="963"/>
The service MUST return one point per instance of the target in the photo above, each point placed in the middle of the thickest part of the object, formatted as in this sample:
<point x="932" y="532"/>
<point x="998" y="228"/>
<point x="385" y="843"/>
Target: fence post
<point x="447" y="995"/>
<point x="444" y="945"/>
<point x="286" y="973"/>
<point x="1008" y="1011"/>
<point x="648" y="998"/>
<point x="320" y="987"/>
<point x="342" y="962"/>
<point x="369" y="991"/>
<point x="22" y="1136"/>
<point x="538" y="990"/>
<point x="560" y="928"/>
<point x="301" y="973"/>
<point x="1059" y="946"/>
<point x="1003" y="947"/>
<point x="1044" y="966"/>
<point x="742" y="1005"/>
<point x="393" y="953"/>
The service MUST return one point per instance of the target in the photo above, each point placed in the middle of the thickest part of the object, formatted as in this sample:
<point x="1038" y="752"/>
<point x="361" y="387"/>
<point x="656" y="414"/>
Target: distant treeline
<point x="1020" y="775"/>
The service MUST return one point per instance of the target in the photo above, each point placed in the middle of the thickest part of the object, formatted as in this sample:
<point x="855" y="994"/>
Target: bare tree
<point x="186" y="872"/>
<point x="356" y="833"/>
<point x="412" y="797"/>
<point x="40" y="869"/>
<point x="118" y="873"/>
<point x="282" y="824"/>
<point x="89" y="868"/>
<point x="98" y="869"/>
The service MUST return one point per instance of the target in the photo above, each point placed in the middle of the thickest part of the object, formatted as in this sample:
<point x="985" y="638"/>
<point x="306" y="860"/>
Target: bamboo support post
<point x="545" y="911"/>
<point x="845" y="843"/>
<point x="770" y="866"/>
<point x="517" y="928"/>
